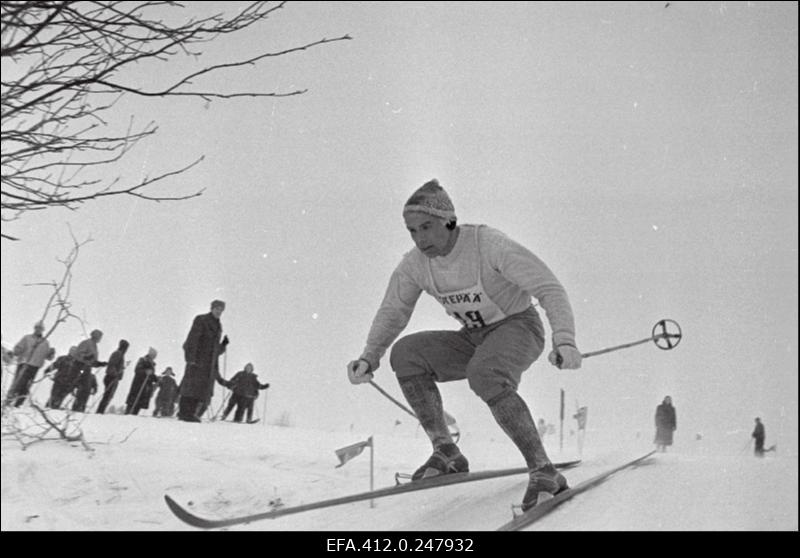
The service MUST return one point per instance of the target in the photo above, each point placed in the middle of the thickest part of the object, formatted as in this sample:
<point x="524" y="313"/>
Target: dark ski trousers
<point x="108" y="394"/>
<point x="23" y="378"/>
<point x="245" y="407"/>
<point x="57" y="395"/>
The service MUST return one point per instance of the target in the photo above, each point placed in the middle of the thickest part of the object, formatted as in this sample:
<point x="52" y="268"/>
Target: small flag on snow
<point x="347" y="453"/>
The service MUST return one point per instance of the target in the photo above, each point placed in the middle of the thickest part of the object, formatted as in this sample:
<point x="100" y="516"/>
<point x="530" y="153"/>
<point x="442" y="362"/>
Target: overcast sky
<point x="647" y="153"/>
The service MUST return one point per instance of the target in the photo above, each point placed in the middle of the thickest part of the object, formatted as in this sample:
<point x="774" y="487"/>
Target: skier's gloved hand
<point x="225" y="340"/>
<point x="565" y="357"/>
<point x="359" y="371"/>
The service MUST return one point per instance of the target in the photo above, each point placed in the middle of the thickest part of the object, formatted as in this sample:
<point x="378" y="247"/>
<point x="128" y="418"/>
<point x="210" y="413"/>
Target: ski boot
<point x="445" y="460"/>
<point x="544" y="482"/>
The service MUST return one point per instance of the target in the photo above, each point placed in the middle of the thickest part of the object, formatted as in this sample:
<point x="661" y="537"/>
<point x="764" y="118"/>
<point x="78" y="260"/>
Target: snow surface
<point x="219" y="469"/>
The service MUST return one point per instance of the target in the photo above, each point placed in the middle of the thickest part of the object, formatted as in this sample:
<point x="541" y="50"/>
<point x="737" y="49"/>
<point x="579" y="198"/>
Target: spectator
<point x="201" y="351"/>
<point x="64" y="379"/>
<point x="758" y="435"/>
<point x="86" y="352"/>
<point x="31" y="352"/>
<point x="85" y="386"/>
<point x="144" y="378"/>
<point x="167" y="394"/>
<point x="114" y="373"/>
<point x="666" y="424"/>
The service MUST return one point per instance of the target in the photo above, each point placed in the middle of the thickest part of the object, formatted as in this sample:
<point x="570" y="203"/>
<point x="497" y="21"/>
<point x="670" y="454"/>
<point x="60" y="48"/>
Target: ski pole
<point x="655" y="337"/>
<point x="138" y="395"/>
<point x="392" y="399"/>
<point x="409" y="411"/>
<point x="224" y="377"/>
<point x="264" y="417"/>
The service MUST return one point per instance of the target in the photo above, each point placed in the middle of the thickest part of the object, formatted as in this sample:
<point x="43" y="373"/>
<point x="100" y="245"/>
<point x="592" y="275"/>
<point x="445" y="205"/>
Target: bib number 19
<point x="470" y="319"/>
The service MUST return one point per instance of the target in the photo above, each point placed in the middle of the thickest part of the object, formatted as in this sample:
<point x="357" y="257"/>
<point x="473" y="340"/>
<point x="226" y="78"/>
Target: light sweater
<point x="511" y="274"/>
<point x="32" y="350"/>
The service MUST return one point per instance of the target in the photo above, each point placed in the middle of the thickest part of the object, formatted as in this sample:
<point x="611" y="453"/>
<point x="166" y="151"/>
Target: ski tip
<point x="181" y="513"/>
<point x="174" y="506"/>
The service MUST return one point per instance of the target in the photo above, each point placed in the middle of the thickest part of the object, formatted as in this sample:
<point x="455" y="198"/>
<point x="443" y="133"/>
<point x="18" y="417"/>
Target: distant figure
<point x="65" y="377"/>
<point x="144" y="377"/>
<point x="201" y="351"/>
<point x="759" y="434"/>
<point x="666" y="424"/>
<point x="167" y="394"/>
<point x="85" y="386"/>
<point x="114" y="373"/>
<point x="581" y="416"/>
<point x="31" y="352"/>
<point x="245" y="386"/>
<point x="542" y="427"/>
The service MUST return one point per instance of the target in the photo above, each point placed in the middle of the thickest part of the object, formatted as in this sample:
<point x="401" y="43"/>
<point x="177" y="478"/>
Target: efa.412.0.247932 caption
<point x="399" y="544"/>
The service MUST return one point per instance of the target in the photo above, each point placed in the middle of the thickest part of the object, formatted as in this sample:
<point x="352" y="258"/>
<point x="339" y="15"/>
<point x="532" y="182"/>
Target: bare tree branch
<point x="42" y="425"/>
<point x="66" y="65"/>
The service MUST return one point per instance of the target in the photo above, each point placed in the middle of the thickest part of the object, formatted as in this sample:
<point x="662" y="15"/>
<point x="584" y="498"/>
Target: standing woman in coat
<point x="144" y="376"/>
<point x="167" y="394"/>
<point x="201" y="351"/>
<point x="666" y="424"/>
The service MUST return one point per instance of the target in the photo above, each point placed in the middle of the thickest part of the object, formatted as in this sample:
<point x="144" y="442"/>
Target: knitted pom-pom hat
<point x="431" y="198"/>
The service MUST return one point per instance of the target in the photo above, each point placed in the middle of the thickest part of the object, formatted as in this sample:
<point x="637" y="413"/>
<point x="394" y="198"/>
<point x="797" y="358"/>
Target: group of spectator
<point x="72" y="374"/>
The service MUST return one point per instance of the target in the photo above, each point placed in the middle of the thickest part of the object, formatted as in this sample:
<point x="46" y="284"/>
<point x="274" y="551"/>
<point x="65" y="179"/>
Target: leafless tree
<point x="65" y="65"/>
<point x="29" y="428"/>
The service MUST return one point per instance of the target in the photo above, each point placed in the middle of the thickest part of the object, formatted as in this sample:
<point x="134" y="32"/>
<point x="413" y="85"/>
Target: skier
<point x="485" y="280"/>
<point x="666" y="424"/>
<point x="114" y="372"/>
<point x="245" y="387"/>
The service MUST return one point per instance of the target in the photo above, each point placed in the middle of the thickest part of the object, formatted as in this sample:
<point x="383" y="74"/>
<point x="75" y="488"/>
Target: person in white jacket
<point x="485" y="280"/>
<point x="31" y="352"/>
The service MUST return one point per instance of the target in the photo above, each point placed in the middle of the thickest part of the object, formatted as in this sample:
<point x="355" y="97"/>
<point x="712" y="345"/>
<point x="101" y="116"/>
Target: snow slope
<point x="222" y="469"/>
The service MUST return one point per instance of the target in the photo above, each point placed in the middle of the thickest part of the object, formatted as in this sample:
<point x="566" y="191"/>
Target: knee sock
<point x="426" y="401"/>
<point x="512" y="414"/>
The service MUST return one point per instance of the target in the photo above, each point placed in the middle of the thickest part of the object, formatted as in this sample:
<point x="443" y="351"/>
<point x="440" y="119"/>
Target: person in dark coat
<point x="245" y="387"/>
<point x="666" y="424"/>
<point x="84" y="359"/>
<point x="201" y="351"/>
<point x="167" y="394"/>
<point x="65" y="377"/>
<point x="758" y="435"/>
<point x="114" y="373"/>
<point x="85" y="386"/>
<point x="144" y="378"/>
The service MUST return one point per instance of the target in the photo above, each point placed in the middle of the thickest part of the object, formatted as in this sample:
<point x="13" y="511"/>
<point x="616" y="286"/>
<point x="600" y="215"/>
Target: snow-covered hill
<point x="222" y="469"/>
